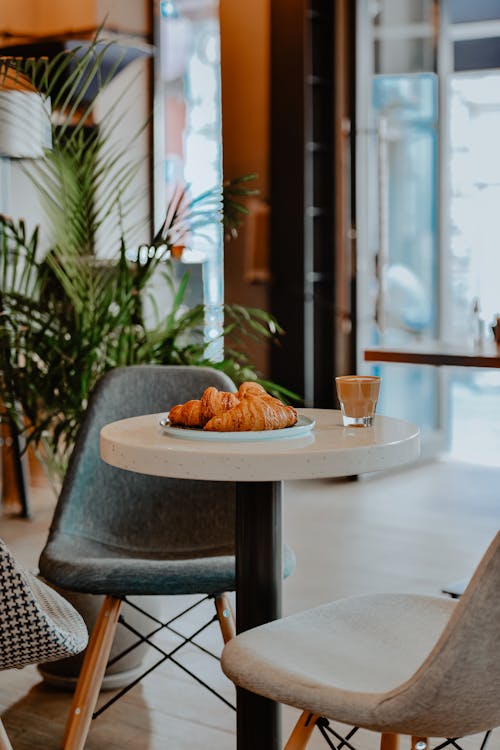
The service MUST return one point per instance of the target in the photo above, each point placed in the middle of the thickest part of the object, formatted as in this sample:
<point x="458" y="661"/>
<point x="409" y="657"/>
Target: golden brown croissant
<point x="253" y="389"/>
<point x="214" y="402"/>
<point x="250" y="388"/>
<point x="188" y="414"/>
<point x="254" y="413"/>
<point x="196" y="413"/>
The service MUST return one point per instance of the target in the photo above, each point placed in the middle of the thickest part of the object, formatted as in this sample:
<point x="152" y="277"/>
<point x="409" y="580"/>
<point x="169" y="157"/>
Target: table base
<point x="259" y="573"/>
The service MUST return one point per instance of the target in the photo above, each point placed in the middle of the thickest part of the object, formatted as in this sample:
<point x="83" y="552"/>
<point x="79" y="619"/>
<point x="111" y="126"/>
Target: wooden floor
<point x="412" y="530"/>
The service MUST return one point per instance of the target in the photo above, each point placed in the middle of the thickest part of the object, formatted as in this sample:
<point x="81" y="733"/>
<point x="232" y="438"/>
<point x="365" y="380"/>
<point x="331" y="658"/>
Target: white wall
<point x="131" y="86"/>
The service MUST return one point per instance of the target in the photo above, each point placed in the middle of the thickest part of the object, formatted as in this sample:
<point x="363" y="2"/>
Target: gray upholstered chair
<point x="36" y="624"/>
<point x="396" y="664"/>
<point x="120" y="533"/>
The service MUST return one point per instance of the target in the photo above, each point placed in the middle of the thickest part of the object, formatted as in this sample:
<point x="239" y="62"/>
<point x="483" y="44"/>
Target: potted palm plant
<point x="66" y="315"/>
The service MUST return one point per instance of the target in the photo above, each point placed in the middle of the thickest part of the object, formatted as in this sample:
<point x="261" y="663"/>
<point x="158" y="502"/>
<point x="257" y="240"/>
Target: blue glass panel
<point x="405" y="159"/>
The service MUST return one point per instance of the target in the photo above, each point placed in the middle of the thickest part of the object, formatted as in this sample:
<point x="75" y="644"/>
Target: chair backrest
<point x="36" y="624"/>
<point x="457" y="688"/>
<point x="143" y="513"/>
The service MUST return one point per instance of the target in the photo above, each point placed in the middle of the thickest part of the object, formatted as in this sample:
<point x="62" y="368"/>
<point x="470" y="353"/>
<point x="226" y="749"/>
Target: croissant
<point x="250" y="388"/>
<point x="188" y="414"/>
<point x="253" y="389"/>
<point x="254" y="413"/>
<point x="197" y="413"/>
<point x="214" y="402"/>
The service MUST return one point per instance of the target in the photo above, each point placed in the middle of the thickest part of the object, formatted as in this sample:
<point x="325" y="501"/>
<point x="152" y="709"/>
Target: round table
<point x="259" y="468"/>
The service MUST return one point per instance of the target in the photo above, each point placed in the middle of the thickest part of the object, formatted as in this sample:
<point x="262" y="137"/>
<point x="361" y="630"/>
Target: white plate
<point x="303" y="427"/>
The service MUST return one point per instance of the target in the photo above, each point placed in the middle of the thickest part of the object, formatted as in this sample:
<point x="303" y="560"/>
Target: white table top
<point x="138" y="444"/>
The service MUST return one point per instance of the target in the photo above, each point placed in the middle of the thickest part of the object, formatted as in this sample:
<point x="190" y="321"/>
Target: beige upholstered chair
<point x="396" y="664"/>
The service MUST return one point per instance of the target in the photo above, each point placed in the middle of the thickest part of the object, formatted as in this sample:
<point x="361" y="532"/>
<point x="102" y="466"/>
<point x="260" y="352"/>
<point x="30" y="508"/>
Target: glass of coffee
<point x="358" y="396"/>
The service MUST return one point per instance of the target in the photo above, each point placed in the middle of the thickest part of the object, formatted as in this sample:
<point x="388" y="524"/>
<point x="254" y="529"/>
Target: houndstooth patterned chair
<point x="36" y="624"/>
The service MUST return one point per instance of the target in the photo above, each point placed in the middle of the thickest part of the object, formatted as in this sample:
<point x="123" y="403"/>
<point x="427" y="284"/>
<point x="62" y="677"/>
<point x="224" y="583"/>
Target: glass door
<point x="397" y="201"/>
<point x="428" y="114"/>
<point x="470" y="42"/>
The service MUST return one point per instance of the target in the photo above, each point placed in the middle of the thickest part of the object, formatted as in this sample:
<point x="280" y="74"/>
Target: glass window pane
<point x="396" y="12"/>
<point x="477" y="54"/>
<point x="408" y="392"/>
<point x="405" y="110"/>
<point x="404" y="55"/>
<point x="404" y="236"/>
<point x="474" y="168"/>
<point x="463" y="11"/>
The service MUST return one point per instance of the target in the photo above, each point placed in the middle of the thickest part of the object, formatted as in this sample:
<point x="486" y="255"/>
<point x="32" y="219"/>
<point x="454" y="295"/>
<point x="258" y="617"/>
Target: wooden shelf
<point x="437" y="353"/>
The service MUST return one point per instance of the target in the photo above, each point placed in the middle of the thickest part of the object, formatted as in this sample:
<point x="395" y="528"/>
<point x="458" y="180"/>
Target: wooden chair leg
<point x="91" y="675"/>
<point x="419" y="743"/>
<point x="389" y="741"/>
<point x="226" y="617"/>
<point x="302" y="731"/>
<point x="4" y="740"/>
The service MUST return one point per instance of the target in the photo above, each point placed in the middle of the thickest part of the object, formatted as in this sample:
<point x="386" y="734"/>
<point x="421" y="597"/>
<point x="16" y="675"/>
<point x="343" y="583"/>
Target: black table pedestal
<point x="259" y="573"/>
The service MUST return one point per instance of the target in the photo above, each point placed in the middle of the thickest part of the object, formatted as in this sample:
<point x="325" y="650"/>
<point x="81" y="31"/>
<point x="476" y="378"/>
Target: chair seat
<point x="341" y="659"/>
<point x="88" y="566"/>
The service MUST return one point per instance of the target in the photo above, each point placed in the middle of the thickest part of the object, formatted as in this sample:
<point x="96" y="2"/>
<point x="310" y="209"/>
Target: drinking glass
<point x="358" y="396"/>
